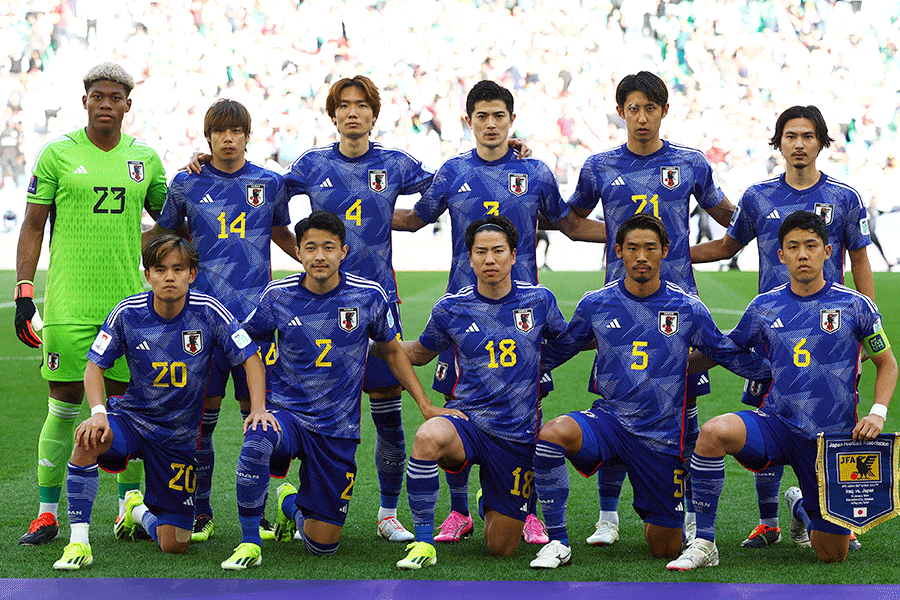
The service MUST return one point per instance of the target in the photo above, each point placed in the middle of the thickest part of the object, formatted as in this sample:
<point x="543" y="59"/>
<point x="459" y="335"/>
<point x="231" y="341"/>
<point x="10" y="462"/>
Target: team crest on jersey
<point x="192" y="341"/>
<point x="348" y="318"/>
<point x="830" y="320"/>
<point x="671" y="177"/>
<point x="256" y="195"/>
<point x="826" y="211"/>
<point x="524" y="319"/>
<point x="136" y="170"/>
<point x="668" y="322"/>
<point x="518" y="183"/>
<point x="53" y="360"/>
<point x="440" y="373"/>
<point x="377" y="180"/>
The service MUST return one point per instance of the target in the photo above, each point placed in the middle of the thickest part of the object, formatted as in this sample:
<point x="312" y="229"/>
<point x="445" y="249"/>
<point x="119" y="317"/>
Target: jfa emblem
<point x="826" y="211"/>
<point x="524" y="319"/>
<point x="859" y="467"/>
<point x="668" y="322"/>
<point x="192" y="341"/>
<point x="830" y="320"/>
<point x="136" y="170"/>
<point x="440" y="373"/>
<point x="53" y="360"/>
<point x="256" y="195"/>
<point x="377" y="180"/>
<point x="671" y="176"/>
<point x="518" y="183"/>
<point x="348" y="318"/>
<point x="756" y="387"/>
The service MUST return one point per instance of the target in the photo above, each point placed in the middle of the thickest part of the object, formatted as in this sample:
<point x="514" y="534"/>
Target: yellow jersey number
<point x="238" y="226"/>
<point x="642" y="200"/>
<point x="176" y="371"/>
<point x="507" y="353"/>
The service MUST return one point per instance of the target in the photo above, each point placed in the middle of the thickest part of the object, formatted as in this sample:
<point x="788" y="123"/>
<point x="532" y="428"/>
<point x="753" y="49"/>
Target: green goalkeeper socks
<point x="55" y="448"/>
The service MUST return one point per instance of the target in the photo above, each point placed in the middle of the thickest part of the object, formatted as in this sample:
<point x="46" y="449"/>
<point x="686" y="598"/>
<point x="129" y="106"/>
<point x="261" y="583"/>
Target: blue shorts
<point x="756" y="390"/>
<point x="696" y="385"/>
<point x="378" y="375"/>
<point x="657" y="478"/>
<point x="219" y="370"/>
<point x="445" y="375"/>
<point x="507" y="469"/>
<point x="327" y="469"/>
<point x="771" y="442"/>
<point x="170" y="479"/>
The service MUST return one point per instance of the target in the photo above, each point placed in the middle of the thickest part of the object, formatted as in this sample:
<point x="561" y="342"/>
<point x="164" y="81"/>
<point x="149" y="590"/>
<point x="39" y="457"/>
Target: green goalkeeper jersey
<point x="97" y="201"/>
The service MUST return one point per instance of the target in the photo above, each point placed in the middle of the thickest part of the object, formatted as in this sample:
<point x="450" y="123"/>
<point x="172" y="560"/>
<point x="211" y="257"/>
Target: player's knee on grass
<point x="173" y="540"/>
<point x="563" y="431"/>
<point x="830" y="547"/>
<point x="502" y="533"/>
<point x="664" y="542"/>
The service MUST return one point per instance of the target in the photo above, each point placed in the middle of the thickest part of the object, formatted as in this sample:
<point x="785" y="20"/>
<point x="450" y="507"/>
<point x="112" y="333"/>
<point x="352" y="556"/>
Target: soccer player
<point x="96" y="182"/>
<point x="813" y="329"/>
<point x="488" y="180"/>
<point x="324" y="319"/>
<point x="234" y="209"/>
<point x="644" y="328"/>
<point x="649" y="175"/>
<point x="169" y="337"/>
<point x="800" y="134"/>
<point x="495" y="329"/>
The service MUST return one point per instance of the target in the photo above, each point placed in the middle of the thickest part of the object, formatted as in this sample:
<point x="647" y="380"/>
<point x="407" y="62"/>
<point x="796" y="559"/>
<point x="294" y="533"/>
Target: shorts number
<point x="507" y="353"/>
<point x="177" y="372"/>
<point x="643" y="357"/>
<point x="354" y="213"/>
<point x="642" y="198"/>
<point x="271" y="355"/>
<point x="238" y="226"/>
<point x="118" y="193"/>
<point x="801" y="356"/>
<point x="679" y="481"/>
<point x="320" y="361"/>
<point x="348" y="491"/>
<point x="523" y="484"/>
<point x="493" y="207"/>
<point x="185" y="474"/>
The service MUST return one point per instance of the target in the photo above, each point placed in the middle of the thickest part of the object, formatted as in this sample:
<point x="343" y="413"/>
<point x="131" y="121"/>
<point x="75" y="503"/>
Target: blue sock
<point x="250" y="529"/>
<point x="693" y="431"/>
<point x="768" y="483"/>
<point x="390" y="448"/>
<point x="707" y="481"/>
<point x="459" y="490"/>
<point x="81" y="488"/>
<point x="800" y="513"/>
<point x="205" y="459"/>
<point x="551" y="477"/>
<point x="149" y="523"/>
<point x="609" y="484"/>
<point x="422" y="486"/>
<point x="253" y="479"/>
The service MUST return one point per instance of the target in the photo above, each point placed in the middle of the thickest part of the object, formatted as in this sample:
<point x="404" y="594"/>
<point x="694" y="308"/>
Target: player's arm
<point x="872" y="424"/>
<point x="519" y="145"/>
<point x="722" y="212"/>
<point x="406" y="219"/>
<point x="285" y="239"/>
<point x="196" y="162"/>
<point x="581" y="229"/>
<point x="721" y="249"/>
<point x="94" y="430"/>
<point x="862" y="272"/>
<point x="256" y="385"/>
<point x="31" y="237"/>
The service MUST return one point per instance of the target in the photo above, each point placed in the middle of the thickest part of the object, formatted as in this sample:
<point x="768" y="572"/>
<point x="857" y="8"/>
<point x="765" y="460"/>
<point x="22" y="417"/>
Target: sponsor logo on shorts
<point x="440" y="373"/>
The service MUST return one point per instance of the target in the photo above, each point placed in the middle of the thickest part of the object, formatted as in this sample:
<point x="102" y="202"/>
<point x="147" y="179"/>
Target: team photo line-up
<point x="300" y="351"/>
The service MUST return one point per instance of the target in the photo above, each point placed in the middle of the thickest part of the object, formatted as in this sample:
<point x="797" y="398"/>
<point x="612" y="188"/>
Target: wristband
<point x="98" y="409"/>
<point x="880" y="410"/>
<point x="24" y="289"/>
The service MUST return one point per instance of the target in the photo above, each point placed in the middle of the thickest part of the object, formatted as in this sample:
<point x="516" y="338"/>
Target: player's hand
<point x="25" y="315"/>
<point x="436" y="411"/>
<point x="196" y="163"/>
<point x="92" y="432"/>
<point x="262" y="418"/>
<point x="521" y="146"/>
<point x="868" y="428"/>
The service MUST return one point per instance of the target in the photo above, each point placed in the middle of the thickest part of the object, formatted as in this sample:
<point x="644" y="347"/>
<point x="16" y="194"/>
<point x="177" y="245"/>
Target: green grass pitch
<point x="364" y="556"/>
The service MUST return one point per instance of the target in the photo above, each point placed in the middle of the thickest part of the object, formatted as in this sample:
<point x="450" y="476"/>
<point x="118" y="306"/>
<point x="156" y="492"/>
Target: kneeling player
<point x="496" y="328"/>
<point x="168" y="336"/>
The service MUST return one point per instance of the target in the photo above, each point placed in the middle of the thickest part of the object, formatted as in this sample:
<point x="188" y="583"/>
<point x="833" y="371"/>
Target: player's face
<point x="106" y="105"/>
<point x="643" y="118"/>
<point x="799" y="144"/>
<point x="491" y="257"/>
<point x="491" y="122"/>
<point x="172" y="277"/>
<point x="321" y="254"/>
<point x="804" y="254"/>
<point x="228" y="144"/>
<point x="641" y="253"/>
<point x="353" y="114"/>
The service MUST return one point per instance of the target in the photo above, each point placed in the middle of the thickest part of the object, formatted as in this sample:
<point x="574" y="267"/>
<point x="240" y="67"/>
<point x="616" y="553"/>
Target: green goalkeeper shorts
<point x="65" y="351"/>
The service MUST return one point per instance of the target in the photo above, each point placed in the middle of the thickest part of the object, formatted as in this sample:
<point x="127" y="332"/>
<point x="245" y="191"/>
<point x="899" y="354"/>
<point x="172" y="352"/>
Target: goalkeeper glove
<point x="26" y="314"/>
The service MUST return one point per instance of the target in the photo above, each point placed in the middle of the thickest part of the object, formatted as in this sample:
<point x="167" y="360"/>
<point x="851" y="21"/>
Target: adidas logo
<point x="472" y="328"/>
<point x="46" y="463"/>
<point x="207" y="199"/>
<point x="295" y="322"/>
<point x="777" y="324"/>
<point x="773" y="215"/>
<point x="189" y="501"/>
<point x="614" y="324"/>
<point x="327" y="183"/>
<point x="143" y="346"/>
<point x="344" y="509"/>
<point x="545" y="378"/>
<point x="703" y="379"/>
<point x="465" y="188"/>
<point x="524" y="508"/>
<point x="80" y="170"/>
<point x="618" y="181"/>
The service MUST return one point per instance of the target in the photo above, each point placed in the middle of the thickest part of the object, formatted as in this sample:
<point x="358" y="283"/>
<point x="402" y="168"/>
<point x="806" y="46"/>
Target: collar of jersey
<point x="158" y="317"/>
<point x="660" y="152"/>
<point x="340" y="286"/>
<point x="662" y="286"/>
<point x="237" y="173"/>
<point x="505" y="158"/>
<point x="337" y="152"/>
<point x="812" y="297"/>
<point x="810" y="190"/>
<point x="505" y="298"/>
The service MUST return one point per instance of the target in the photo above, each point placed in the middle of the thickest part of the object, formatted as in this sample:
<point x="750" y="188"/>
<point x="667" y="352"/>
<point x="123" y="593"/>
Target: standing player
<point x="489" y="180"/>
<point x="813" y="329"/>
<point x="234" y="209"/>
<point x="324" y="319"/>
<point x="169" y="337"/>
<point x="95" y="182"/>
<point x="800" y="135"/>
<point x="643" y="328"/>
<point x="649" y="175"/>
<point x="495" y="329"/>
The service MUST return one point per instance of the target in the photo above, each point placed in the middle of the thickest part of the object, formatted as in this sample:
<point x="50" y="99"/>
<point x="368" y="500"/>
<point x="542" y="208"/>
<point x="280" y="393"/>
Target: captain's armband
<point x="876" y="343"/>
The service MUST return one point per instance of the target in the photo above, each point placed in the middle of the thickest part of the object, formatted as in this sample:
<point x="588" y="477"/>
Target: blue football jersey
<point x="765" y="205"/>
<point x="362" y="191"/>
<point x="640" y="368"/>
<point x="497" y="348"/>
<point x="472" y="188"/>
<point x="323" y="341"/>
<point x="661" y="184"/>
<point x="230" y="218"/>
<point x="813" y="344"/>
<point x="169" y="361"/>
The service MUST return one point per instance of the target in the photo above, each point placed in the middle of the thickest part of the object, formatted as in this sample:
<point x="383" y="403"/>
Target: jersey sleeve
<point x="433" y="202"/>
<point x="553" y="207"/>
<point x="748" y="333"/>
<point x="716" y="345"/>
<point x="235" y="341"/>
<point x="435" y="337"/>
<point x="44" y="177"/>
<point x="706" y="190"/>
<point x="856" y="226"/>
<point x="109" y="344"/>
<point x="870" y="330"/>
<point x="260" y="324"/>
<point x="281" y="215"/>
<point x="742" y="227"/>
<point x="382" y="327"/>
<point x="294" y="178"/>
<point x="174" y="210"/>
<point x="417" y="179"/>
<point x="571" y="340"/>
<point x="156" y="191"/>
<point x="587" y="190"/>
<point x="556" y="323"/>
